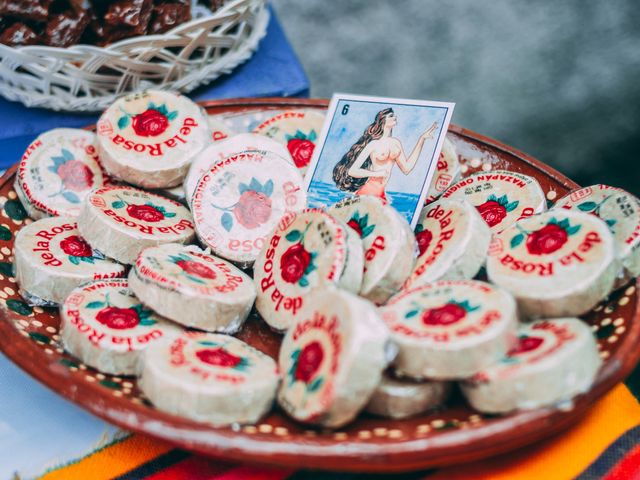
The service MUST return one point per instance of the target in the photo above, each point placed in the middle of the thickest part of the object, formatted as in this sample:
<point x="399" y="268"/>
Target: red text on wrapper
<point x="156" y="149"/>
<point x="279" y="300"/>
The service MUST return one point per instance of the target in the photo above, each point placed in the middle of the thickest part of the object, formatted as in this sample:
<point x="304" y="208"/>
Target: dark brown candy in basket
<point x="129" y="14"/>
<point x="35" y="10"/>
<point x="65" y="29"/>
<point x="165" y="16"/>
<point x="18" y="35"/>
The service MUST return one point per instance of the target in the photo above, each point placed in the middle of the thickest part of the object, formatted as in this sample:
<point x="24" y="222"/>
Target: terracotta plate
<point x="29" y="336"/>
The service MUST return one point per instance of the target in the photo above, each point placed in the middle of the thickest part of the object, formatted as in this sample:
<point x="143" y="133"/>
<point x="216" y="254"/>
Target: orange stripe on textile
<point x="113" y="460"/>
<point x="206" y="469"/>
<point x="628" y="468"/>
<point x="564" y="456"/>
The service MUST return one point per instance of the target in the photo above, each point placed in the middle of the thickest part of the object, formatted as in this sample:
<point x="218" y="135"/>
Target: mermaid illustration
<point x="365" y="169"/>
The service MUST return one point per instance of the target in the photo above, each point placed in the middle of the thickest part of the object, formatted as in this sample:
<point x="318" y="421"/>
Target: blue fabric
<point x="273" y="71"/>
<point x="39" y="429"/>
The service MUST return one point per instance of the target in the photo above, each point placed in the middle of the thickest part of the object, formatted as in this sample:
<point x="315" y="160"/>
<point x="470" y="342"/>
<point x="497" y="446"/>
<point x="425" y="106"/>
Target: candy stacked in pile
<point x="159" y="234"/>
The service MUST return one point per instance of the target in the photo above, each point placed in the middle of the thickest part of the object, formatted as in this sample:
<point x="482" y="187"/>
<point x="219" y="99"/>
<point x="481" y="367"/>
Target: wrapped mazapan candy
<point x="453" y="240"/>
<point x="450" y="330"/>
<point x="332" y="358"/>
<point x="559" y="263"/>
<point x="403" y="398"/>
<point x="307" y="250"/>
<point x="447" y="171"/>
<point x="620" y="211"/>
<point x="388" y="242"/>
<point x="51" y="259"/>
<point x="193" y="288"/>
<point x="57" y="172"/>
<point x="209" y="378"/>
<point x="298" y="130"/>
<point x="121" y="221"/>
<point x="501" y="197"/>
<point x="218" y="151"/>
<point x="149" y="138"/>
<point x="553" y="361"/>
<point x="238" y="202"/>
<point x="107" y="327"/>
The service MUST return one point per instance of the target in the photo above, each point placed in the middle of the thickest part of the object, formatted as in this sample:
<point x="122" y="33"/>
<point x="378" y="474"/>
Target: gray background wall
<point x="557" y="79"/>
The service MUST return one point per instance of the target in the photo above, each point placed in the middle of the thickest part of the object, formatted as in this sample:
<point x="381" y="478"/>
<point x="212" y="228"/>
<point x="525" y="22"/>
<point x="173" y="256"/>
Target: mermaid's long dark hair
<point x="341" y="176"/>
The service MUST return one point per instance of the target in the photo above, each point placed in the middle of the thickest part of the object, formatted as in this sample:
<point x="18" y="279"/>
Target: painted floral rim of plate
<point x="29" y="337"/>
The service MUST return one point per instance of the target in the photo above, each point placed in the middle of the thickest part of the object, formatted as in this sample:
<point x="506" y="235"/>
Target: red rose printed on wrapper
<point x="301" y="147"/>
<point x="148" y="212"/>
<point x="253" y="208"/>
<point x="547" y="239"/>
<point x="525" y="344"/>
<point x="423" y="237"/>
<point x="305" y="365"/>
<point x="152" y="122"/>
<point x="361" y="224"/>
<point x="75" y="176"/>
<point x="218" y="356"/>
<point x="297" y="262"/>
<point x="495" y="209"/>
<point x="194" y="269"/>
<point x="444" y="315"/>
<point x="78" y="250"/>
<point x="121" y="318"/>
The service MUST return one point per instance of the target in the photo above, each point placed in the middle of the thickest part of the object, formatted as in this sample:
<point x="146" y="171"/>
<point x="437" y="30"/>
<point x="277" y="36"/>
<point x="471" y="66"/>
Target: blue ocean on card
<point x="323" y="194"/>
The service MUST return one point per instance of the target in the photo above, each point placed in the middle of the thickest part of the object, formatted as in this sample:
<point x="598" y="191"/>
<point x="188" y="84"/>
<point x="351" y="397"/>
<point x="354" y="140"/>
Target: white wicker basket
<point x="89" y="78"/>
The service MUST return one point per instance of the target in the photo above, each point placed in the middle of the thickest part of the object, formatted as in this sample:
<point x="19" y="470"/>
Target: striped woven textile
<point x="604" y="445"/>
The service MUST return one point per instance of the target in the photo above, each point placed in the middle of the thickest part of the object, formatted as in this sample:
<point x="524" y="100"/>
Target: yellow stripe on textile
<point x="112" y="461"/>
<point x="563" y="456"/>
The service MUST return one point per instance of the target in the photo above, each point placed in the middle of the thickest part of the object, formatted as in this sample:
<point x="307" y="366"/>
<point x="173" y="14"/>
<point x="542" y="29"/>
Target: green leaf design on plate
<point x="267" y="188"/>
<point x="6" y="268"/>
<point x="15" y="210"/>
<point x="411" y="313"/>
<point x="312" y="136"/>
<point x="74" y="260"/>
<point x="19" y="307"/>
<point x="123" y="122"/>
<point x="255" y="185"/>
<point x="38" y="337"/>
<point x="110" y="384"/>
<point x="169" y="214"/>
<point x="146" y="322"/>
<point x="303" y="282"/>
<point x="367" y="231"/>
<point x="564" y="223"/>
<point x="587" y="206"/>
<point x="517" y="240"/>
<point x="509" y="207"/>
<point x="293" y="236"/>
<point x="208" y="343"/>
<point x="172" y="115"/>
<point x="243" y="187"/>
<point x="5" y="233"/>
<point x="117" y="204"/>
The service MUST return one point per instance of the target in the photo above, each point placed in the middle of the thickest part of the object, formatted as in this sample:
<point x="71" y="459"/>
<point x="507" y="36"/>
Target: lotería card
<point x="387" y="147"/>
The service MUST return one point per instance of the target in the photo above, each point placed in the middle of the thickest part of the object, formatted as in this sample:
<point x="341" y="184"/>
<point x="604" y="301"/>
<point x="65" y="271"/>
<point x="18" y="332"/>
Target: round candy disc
<point x="298" y="130"/>
<point x="210" y="378"/>
<point x="452" y="242"/>
<point x="388" y="242"/>
<point x="51" y="259"/>
<point x="553" y="361"/>
<point x="239" y="201"/>
<point x="620" y="211"/>
<point x="307" y="250"/>
<point x="192" y="288"/>
<point x="217" y="152"/>
<point x="447" y="171"/>
<point x="149" y="138"/>
<point x="122" y="221"/>
<point x="501" y="197"/>
<point x="403" y="398"/>
<point x="106" y="326"/>
<point x="332" y="359"/>
<point x="450" y="330"/>
<point x="558" y="263"/>
<point x="57" y="172"/>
